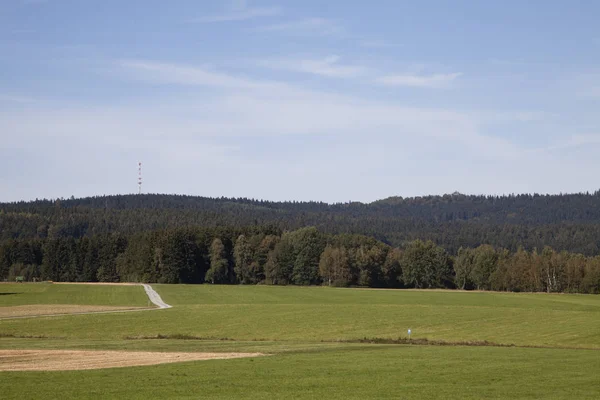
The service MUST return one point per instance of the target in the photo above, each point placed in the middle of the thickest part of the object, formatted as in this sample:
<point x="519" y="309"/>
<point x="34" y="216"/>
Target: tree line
<point x="306" y="256"/>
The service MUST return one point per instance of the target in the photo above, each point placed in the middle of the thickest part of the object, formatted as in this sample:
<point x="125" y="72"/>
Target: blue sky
<point x="298" y="100"/>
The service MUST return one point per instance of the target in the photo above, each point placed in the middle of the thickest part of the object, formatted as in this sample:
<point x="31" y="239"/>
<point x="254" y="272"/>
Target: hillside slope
<point x="565" y="222"/>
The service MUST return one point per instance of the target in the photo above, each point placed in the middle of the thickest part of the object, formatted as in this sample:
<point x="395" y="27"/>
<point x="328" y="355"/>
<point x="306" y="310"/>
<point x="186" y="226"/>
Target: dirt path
<point x="155" y="297"/>
<point x="62" y="310"/>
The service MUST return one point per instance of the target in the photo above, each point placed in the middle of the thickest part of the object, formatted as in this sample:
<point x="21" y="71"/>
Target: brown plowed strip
<point x="50" y="309"/>
<point x="69" y="360"/>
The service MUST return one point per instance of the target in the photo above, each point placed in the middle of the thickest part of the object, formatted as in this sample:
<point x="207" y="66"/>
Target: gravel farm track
<point x="155" y="297"/>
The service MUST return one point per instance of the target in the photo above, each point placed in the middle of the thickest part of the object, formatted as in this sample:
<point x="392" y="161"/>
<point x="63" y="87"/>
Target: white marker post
<point x="409" y="334"/>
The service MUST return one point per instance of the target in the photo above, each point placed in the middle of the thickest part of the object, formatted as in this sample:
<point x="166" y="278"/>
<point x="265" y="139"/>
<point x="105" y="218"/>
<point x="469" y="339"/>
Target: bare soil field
<point x="32" y="310"/>
<point x="69" y="360"/>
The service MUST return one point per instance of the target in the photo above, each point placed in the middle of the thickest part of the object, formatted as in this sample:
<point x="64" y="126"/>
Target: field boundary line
<point x="365" y="341"/>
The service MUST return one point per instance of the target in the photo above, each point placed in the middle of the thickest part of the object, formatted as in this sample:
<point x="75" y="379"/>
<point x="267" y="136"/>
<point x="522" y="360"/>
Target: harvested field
<point x="56" y="309"/>
<point x="69" y="360"/>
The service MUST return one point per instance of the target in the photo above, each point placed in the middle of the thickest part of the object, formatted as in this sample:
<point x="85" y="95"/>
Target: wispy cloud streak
<point x="328" y="66"/>
<point x="307" y="27"/>
<point x="240" y="15"/>
<point x="167" y="73"/>
<point x="377" y="44"/>
<point x="426" y="81"/>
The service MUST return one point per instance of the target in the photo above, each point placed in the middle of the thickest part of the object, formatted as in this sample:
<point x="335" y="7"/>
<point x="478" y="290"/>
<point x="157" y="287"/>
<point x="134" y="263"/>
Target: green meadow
<point x="311" y="334"/>
<point x="16" y="294"/>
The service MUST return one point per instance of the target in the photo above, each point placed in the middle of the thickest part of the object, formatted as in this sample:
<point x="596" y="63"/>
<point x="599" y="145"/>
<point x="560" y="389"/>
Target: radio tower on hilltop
<point x="139" y="178"/>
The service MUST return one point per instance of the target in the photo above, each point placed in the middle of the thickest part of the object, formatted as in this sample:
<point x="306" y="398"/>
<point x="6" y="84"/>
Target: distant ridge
<point x="388" y="200"/>
<point x="564" y="221"/>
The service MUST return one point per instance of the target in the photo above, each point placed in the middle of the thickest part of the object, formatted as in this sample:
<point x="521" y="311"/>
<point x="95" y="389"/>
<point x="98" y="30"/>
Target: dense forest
<point x="517" y="243"/>
<point x="563" y="222"/>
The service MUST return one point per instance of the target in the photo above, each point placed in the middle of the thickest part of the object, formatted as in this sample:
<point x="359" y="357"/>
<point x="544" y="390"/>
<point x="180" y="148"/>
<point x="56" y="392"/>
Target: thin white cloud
<point x="9" y="98"/>
<point x="585" y="84"/>
<point x="239" y="4"/>
<point x="377" y="44"/>
<point x="324" y="27"/>
<point x="328" y="66"/>
<point x="574" y="141"/>
<point x="166" y="73"/>
<point x="240" y="11"/>
<point x="516" y="116"/>
<point x="240" y="15"/>
<point x="22" y="31"/>
<point x="307" y="27"/>
<point x="425" y="81"/>
<point x="591" y="88"/>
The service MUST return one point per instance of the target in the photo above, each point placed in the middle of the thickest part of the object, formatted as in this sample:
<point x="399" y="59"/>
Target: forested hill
<point x="565" y="222"/>
<point x="525" y="208"/>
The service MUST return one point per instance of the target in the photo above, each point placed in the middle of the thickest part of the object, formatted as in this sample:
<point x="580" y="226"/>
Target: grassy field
<point x="316" y="314"/>
<point x="303" y="329"/>
<point x="16" y="294"/>
<point x="417" y="372"/>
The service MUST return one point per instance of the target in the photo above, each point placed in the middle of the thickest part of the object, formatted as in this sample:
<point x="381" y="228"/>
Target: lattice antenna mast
<point x="139" y="178"/>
